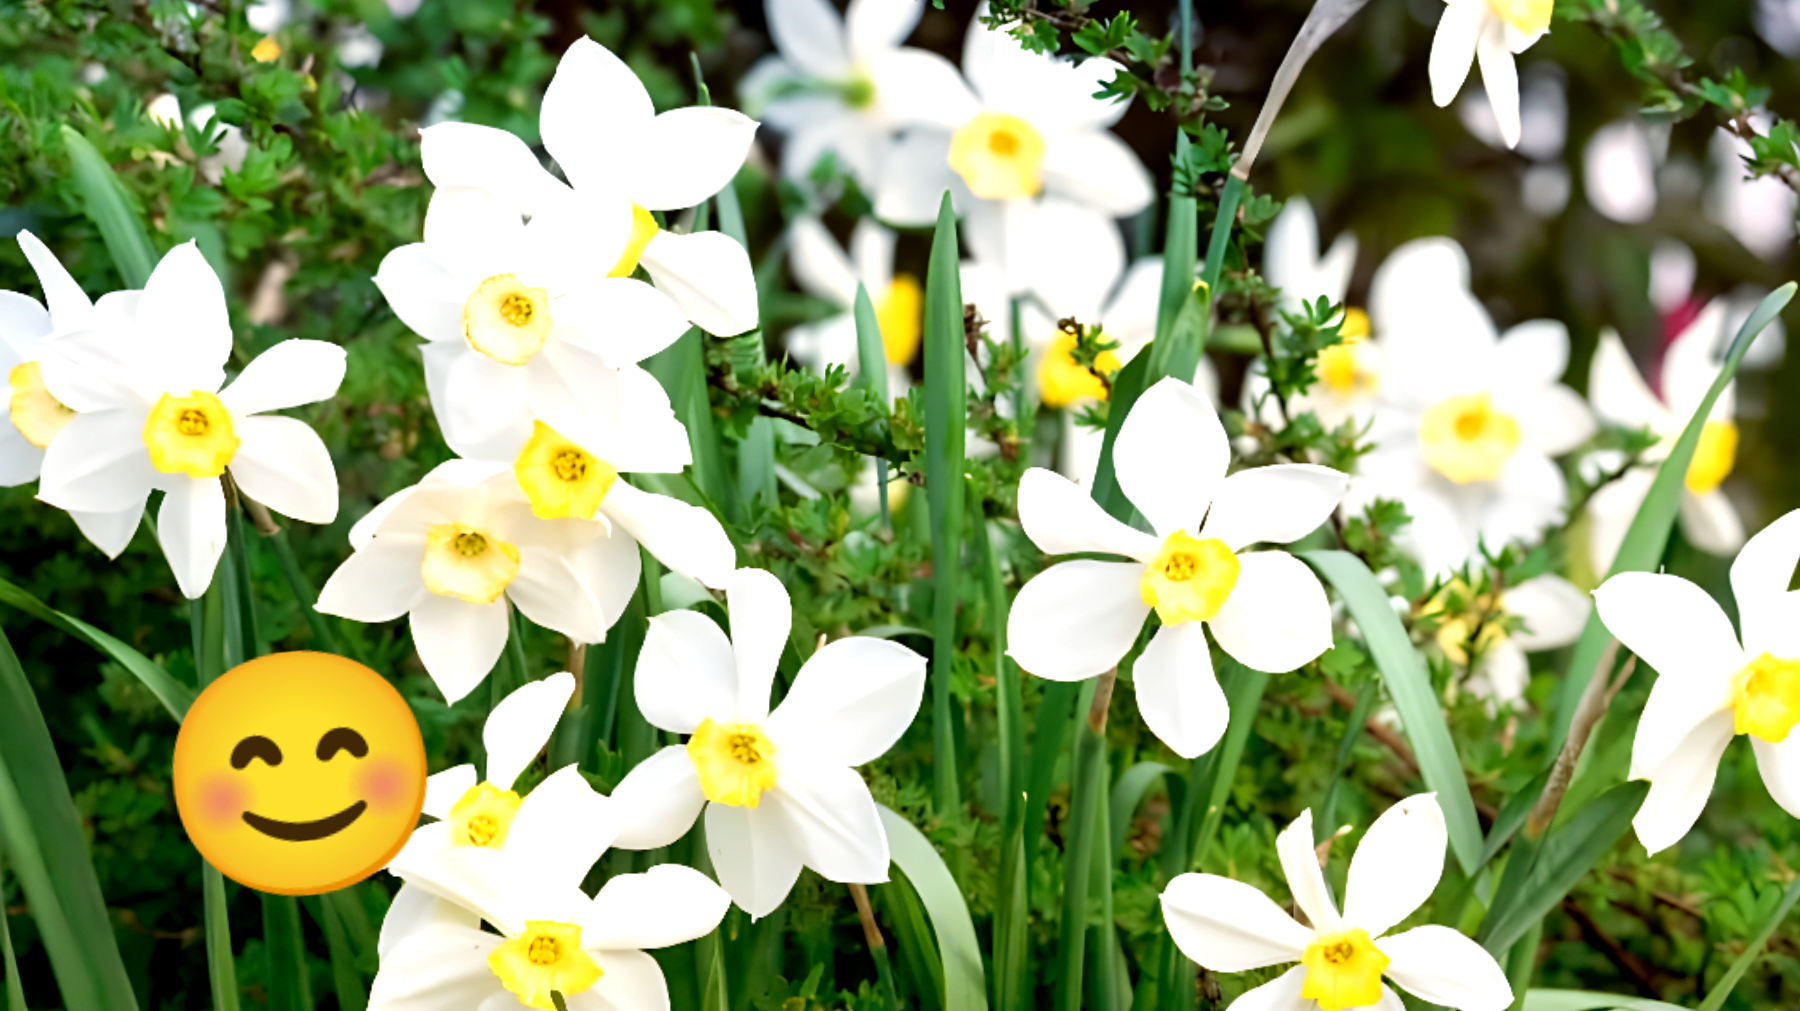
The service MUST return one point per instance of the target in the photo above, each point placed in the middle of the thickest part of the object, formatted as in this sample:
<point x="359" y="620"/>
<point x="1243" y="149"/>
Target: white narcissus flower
<point x="1228" y="926"/>
<point x="435" y="956"/>
<point x="521" y="323"/>
<point x="1077" y="619"/>
<point x="1488" y="32"/>
<point x="1711" y="686"/>
<point x="151" y="414"/>
<point x="27" y="334"/>
<point x="825" y="270"/>
<point x="1619" y="394"/>
<point x="1291" y="259"/>
<point x="1470" y="419"/>
<point x="452" y="551"/>
<point x="1553" y="613"/>
<point x="598" y="123"/>
<point x="780" y="789"/>
<point x="843" y="85"/>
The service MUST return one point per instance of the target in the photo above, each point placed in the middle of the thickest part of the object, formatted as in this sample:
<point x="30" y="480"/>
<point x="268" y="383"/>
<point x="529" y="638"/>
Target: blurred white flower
<point x="1488" y="32"/>
<point x="452" y="551"/>
<point x="1618" y="171"/>
<point x="1543" y="115"/>
<point x="844" y="84"/>
<point x="780" y="789"/>
<point x="232" y="148"/>
<point x="268" y="16"/>
<point x="1710" y="686"/>
<point x="824" y="270"/>
<point x="1759" y="212"/>
<point x="1077" y="619"/>
<point x="1619" y="394"/>
<point x="1673" y="268"/>
<point x="1291" y="259"/>
<point x="1228" y="926"/>
<point x="1778" y="22"/>
<point x="150" y="414"/>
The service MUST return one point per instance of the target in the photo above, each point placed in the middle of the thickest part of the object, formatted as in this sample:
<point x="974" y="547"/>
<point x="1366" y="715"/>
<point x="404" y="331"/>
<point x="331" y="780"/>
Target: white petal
<point x="875" y="25"/>
<point x="110" y="532"/>
<point x="1552" y="419"/>
<point x="444" y="789"/>
<point x="1228" y="926"/>
<point x="830" y="820"/>
<point x="1279" y="994"/>
<point x="1530" y="495"/>
<point x="1612" y="509"/>
<point x="810" y="34"/>
<point x="1680" y="785"/>
<point x="70" y="308"/>
<point x="292" y="373"/>
<point x="686" y="673"/>
<point x="550" y="591"/>
<point x="1076" y="619"/>
<point x="914" y="176"/>
<point x="609" y="567"/>
<point x="1618" y="391"/>
<point x="191" y="524"/>
<point x="1759" y="579"/>
<point x="621" y="415"/>
<point x="851" y="701"/>
<point x="1445" y="967"/>
<point x="437" y="968"/>
<point x="426" y="297"/>
<point x="485" y="158"/>
<point x="1453" y="49"/>
<point x="284" y="464"/>
<point x="458" y="642"/>
<point x="914" y="87"/>
<point x="1533" y="354"/>
<point x="20" y="461"/>
<point x="1396" y="865"/>
<point x="1553" y="610"/>
<point x="633" y="981"/>
<point x="182" y="314"/>
<point x="1275" y="504"/>
<point x="761" y="616"/>
<point x="708" y="276"/>
<point x="1670" y="623"/>
<point x="574" y="241"/>
<point x="561" y="828"/>
<point x="1711" y="523"/>
<point x="1421" y="279"/>
<point x="1678" y="704"/>
<point x="593" y="106"/>
<point x="684" y="537"/>
<point x="1177" y="692"/>
<point x="751" y="853"/>
<point x="98" y="463"/>
<point x="658" y="801"/>
<point x="1097" y="169"/>
<point x="821" y="267"/>
<point x="1277" y="618"/>
<point x="687" y="155"/>
<point x="1691" y="363"/>
<point x="414" y="910"/>
<point x="379" y="582"/>
<point x="1500" y="76"/>
<point x="664" y="906"/>
<point x="520" y="726"/>
<point x="473" y="234"/>
<point x="1069" y="254"/>
<point x="1171" y="456"/>
<point x="1780" y="768"/>
<point x="1061" y="519"/>
<point x="480" y="404"/>
<point x="1306" y="880"/>
<point x="1501" y="674"/>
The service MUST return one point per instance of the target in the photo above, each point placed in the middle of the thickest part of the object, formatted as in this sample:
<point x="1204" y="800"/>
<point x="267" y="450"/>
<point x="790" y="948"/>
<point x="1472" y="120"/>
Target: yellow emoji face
<point x="299" y="773"/>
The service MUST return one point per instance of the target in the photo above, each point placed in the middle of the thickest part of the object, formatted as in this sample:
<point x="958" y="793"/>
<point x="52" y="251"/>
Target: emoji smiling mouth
<point x="306" y="831"/>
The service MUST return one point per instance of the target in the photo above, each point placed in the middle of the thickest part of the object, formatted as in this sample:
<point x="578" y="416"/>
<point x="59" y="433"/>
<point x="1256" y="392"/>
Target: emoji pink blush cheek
<point x="384" y="785"/>
<point x="223" y="800"/>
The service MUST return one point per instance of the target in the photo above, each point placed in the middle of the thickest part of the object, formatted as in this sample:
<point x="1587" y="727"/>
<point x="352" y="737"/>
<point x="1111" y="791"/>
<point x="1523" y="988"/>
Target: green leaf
<point x="871" y="374"/>
<point x="42" y="836"/>
<point x="1127" y="794"/>
<point x="913" y="855"/>
<point x="912" y="936"/>
<point x="1648" y="535"/>
<point x="290" y="987"/>
<point x="346" y="980"/>
<point x="1567" y="853"/>
<point x="1127" y="386"/>
<point x="175" y="696"/>
<point x="109" y="206"/>
<point x="681" y="368"/>
<point x="221" y="965"/>
<point x="9" y="962"/>
<point x="1243" y="696"/>
<point x="1584" y="1000"/>
<point x="1715" y="998"/>
<point x="946" y="410"/>
<point x="1409" y="686"/>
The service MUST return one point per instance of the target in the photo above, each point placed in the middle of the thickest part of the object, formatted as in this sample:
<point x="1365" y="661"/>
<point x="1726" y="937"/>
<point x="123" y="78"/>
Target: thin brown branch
<point x="1642" y="973"/>
<point x="1594" y="699"/>
<point x="866" y="913"/>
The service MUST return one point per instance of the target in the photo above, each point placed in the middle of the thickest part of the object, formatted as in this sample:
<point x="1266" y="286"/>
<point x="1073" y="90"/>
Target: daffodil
<point x="826" y="271"/>
<point x="1488" y="32"/>
<point x="779" y="789"/>
<point x="612" y="146"/>
<point x="1469" y="419"/>
<point x="1712" y="684"/>
<point x="28" y="331"/>
<point x="1267" y="610"/>
<point x="1229" y="926"/>
<point x="455" y="550"/>
<point x="151" y="415"/>
<point x="1291" y="259"/>
<point x="843" y="85"/>
<point x="1619" y="394"/>
<point x="521" y="323"/>
<point x="1551" y="611"/>
<point x="551" y="937"/>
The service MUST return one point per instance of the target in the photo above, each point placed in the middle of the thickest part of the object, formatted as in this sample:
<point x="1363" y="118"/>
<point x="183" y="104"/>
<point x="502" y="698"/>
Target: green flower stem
<point x="221" y="965"/>
<point x="1521" y="962"/>
<point x="1010" y="929"/>
<point x="884" y="970"/>
<point x="946" y="411"/>
<point x="1753" y="951"/>
<point x="1089" y="788"/>
<point x="346" y="982"/>
<point x="1221" y="231"/>
<point x="301" y="587"/>
<point x="1359" y="714"/>
<point x="15" y="987"/>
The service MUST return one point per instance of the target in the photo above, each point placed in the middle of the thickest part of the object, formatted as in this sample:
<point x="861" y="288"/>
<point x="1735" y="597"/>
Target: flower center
<point x="899" y="315"/>
<point x="1529" y="16"/>
<point x="735" y="762"/>
<point x="35" y="413"/>
<point x="999" y="155"/>
<point x="1189" y="579"/>
<point x="546" y="957"/>
<point x="190" y="435"/>
<point x="1061" y="382"/>
<point x="1341" y="366"/>
<point x="467" y="564"/>
<point x="1714" y="456"/>
<point x="1343" y="970"/>
<point x="859" y="92"/>
<point x="1766" y="698"/>
<point x="559" y="477"/>
<point x="481" y="816"/>
<point x="1465" y="439"/>
<point x="505" y="320"/>
<point x="643" y="229"/>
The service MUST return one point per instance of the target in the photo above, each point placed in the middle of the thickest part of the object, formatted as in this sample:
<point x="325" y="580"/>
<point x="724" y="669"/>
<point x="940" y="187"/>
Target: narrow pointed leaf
<point x="965" y="988"/>
<point x="1127" y="794"/>
<point x="175" y="696"/>
<point x="107" y="204"/>
<point x="1721" y="991"/>
<point x="946" y="407"/>
<point x="1567" y="853"/>
<point x="1586" y="1000"/>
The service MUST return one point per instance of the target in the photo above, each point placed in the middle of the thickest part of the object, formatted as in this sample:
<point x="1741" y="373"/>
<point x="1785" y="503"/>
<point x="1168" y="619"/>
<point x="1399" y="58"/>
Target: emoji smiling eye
<point x="342" y="739"/>
<point x="255" y="747"/>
